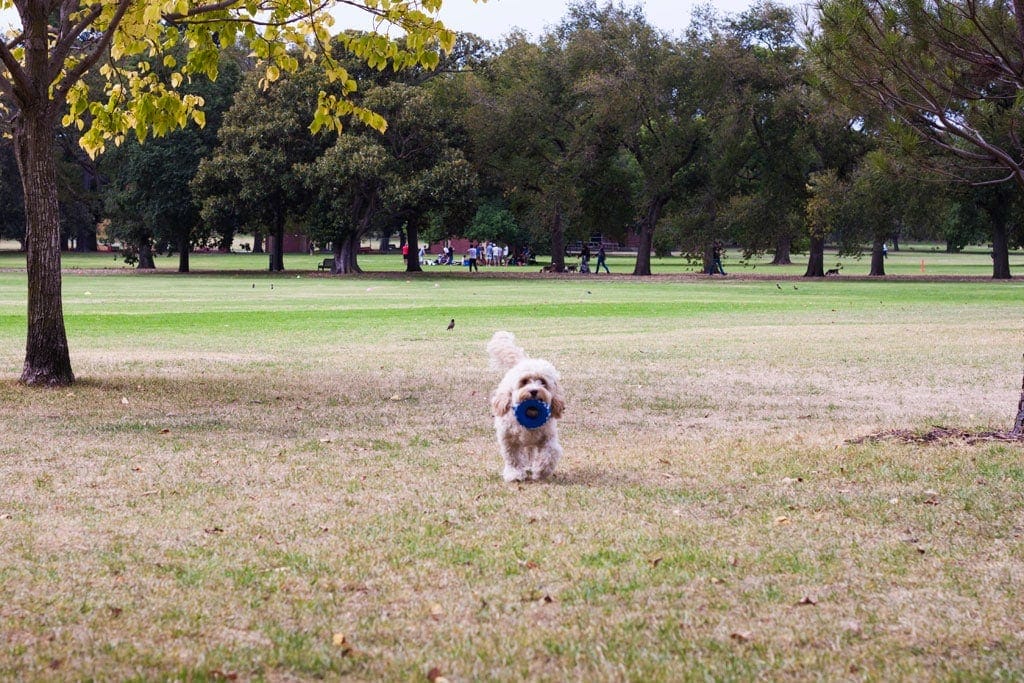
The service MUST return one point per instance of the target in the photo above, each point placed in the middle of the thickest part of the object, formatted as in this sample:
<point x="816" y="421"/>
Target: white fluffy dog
<point x="528" y="453"/>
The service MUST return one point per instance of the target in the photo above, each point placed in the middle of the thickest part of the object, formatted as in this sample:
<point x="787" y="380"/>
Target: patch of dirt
<point x="937" y="435"/>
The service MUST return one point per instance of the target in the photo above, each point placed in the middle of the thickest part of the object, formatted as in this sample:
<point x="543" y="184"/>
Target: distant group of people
<point x="477" y="254"/>
<point x="585" y="260"/>
<point x="488" y="253"/>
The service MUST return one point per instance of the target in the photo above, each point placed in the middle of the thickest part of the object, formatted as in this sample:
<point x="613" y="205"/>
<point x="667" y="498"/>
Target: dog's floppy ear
<point x="557" y="404"/>
<point x="501" y="403"/>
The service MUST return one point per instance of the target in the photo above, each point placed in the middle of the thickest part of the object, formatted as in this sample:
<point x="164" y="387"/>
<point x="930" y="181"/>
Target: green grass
<point x="973" y="261"/>
<point x="302" y="482"/>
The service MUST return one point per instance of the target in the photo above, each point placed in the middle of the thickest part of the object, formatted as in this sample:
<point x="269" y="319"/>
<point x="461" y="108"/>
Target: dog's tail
<point x="504" y="351"/>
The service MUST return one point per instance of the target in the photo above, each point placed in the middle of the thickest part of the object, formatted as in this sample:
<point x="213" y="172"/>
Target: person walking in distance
<point x="601" y="261"/>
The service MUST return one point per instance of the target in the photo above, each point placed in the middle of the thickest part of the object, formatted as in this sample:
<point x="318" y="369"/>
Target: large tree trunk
<point x="816" y="259"/>
<point x="1000" y="252"/>
<point x="346" y="251"/>
<point x="877" y="258"/>
<point x="646" y="228"/>
<point x="783" y="249"/>
<point x="85" y="240"/>
<point x="708" y="259"/>
<point x="146" y="261"/>
<point x="412" y="264"/>
<point x="47" y="359"/>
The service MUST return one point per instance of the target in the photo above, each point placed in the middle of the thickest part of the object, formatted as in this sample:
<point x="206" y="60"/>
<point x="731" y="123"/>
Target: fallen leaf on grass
<point x="436" y="611"/>
<point x="779" y="521"/>
<point x="124" y="400"/>
<point x="741" y="636"/>
<point x="165" y="430"/>
<point x="342" y="643"/>
<point x="435" y="675"/>
<point x="219" y="675"/>
<point x="807" y="600"/>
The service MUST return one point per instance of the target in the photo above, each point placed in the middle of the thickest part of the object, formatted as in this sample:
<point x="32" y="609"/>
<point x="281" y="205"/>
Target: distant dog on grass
<point x="833" y="271"/>
<point x="530" y="452"/>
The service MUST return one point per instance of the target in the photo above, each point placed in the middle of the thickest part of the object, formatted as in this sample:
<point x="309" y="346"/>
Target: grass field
<point x="292" y="477"/>
<point x="913" y="260"/>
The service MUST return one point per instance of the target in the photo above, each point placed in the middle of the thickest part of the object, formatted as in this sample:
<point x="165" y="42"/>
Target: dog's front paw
<point x="512" y="474"/>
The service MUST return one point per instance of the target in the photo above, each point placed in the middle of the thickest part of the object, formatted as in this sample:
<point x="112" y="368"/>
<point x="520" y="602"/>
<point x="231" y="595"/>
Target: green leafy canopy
<point x="125" y="40"/>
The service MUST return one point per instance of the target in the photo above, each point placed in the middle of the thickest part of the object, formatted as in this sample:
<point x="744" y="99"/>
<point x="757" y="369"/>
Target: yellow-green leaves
<point x="280" y="34"/>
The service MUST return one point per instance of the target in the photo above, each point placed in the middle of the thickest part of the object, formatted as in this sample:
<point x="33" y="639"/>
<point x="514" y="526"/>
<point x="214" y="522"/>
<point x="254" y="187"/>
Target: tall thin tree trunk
<point x="558" y="242"/>
<point x="47" y="359"/>
<point x="412" y="264"/>
<point x="648" y="223"/>
<point x="877" y="258"/>
<point x="183" y="250"/>
<point x="816" y="259"/>
<point x="1018" y="423"/>
<point x="1000" y="252"/>
<point x="277" y="247"/>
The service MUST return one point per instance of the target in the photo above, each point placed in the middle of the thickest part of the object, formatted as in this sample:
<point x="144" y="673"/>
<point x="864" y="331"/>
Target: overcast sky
<point x="496" y="18"/>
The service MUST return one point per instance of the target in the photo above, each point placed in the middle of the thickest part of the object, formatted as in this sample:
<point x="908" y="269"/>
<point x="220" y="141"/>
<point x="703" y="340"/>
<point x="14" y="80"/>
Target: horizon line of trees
<point x="745" y="130"/>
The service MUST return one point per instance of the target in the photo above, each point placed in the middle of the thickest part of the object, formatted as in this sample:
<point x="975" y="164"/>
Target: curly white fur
<point x="528" y="453"/>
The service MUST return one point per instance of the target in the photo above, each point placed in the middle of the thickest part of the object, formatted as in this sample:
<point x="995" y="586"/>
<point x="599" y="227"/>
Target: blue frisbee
<point x="532" y="413"/>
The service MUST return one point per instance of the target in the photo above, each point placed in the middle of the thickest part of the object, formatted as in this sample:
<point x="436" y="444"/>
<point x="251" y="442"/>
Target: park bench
<point x="326" y="264"/>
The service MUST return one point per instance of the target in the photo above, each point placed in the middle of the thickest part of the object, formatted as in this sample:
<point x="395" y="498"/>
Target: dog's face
<point x="532" y="378"/>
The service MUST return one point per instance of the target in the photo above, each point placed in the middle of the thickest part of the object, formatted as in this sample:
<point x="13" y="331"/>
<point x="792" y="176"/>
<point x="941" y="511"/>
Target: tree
<point x="12" y="211"/>
<point x="535" y="133"/>
<point x="764" y="115"/>
<point x="649" y="96"/>
<point x="950" y="71"/>
<point x="407" y="176"/>
<point x="42" y="67"/>
<point x="255" y="170"/>
<point x="882" y="197"/>
<point x="147" y="190"/>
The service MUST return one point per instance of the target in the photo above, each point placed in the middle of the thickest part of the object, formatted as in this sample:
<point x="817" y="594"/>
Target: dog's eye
<point x="541" y="382"/>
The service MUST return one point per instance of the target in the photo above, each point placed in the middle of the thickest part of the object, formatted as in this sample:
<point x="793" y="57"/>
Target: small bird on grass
<point x="451" y="325"/>
<point x="778" y="285"/>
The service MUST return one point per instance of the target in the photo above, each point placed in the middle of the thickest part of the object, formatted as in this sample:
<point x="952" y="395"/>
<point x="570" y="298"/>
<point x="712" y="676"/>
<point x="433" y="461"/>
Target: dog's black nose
<point x="533" y="392"/>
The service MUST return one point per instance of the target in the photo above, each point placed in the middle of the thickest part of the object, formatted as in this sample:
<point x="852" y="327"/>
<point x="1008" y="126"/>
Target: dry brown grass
<point x="327" y="505"/>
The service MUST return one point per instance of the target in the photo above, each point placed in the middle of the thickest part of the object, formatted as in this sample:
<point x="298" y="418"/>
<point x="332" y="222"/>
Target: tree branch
<point x="71" y="77"/>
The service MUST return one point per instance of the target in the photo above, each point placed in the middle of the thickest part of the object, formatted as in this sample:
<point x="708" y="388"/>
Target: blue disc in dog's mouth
<point x="532" y="413"/>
